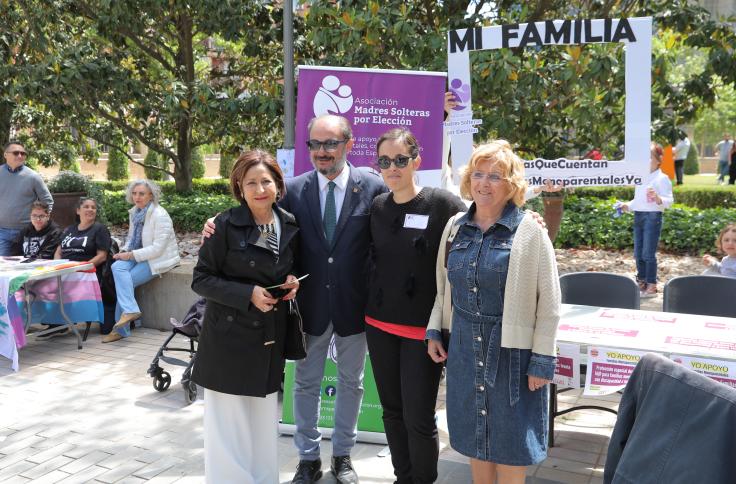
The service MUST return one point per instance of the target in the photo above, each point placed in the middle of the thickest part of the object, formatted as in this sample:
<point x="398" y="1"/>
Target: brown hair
<point x="730" y="227"/>
<point x="499" y="152"/>
<point x="38" y="204"/>
<point x="404" y="136"/>
<point x="248" y="160"/>
<point x="657" y="151"/>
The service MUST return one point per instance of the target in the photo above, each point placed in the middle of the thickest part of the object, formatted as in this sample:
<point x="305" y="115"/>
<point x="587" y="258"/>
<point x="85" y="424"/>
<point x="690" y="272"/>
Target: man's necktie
<point x="330" y="219"/>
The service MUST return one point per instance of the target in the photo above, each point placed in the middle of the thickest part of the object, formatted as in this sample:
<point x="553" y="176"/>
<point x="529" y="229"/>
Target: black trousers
<point x="407" y="380"/>
<point x="679" y="170"/>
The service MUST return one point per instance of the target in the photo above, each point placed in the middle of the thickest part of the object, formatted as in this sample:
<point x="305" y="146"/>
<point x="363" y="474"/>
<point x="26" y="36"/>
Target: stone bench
<point x="168" y="296"/>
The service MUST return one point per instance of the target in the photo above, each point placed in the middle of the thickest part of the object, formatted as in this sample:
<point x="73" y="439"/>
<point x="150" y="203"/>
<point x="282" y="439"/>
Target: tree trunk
<point x="6" y="113"/>
<point x="185" y="62"/>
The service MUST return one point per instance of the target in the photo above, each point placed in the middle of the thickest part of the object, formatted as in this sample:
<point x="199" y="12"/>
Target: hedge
<point x="691" y="196"/>
<point x="216" y="186"/>
<point x="187" y="212"/>
<point x="589" y="222"/>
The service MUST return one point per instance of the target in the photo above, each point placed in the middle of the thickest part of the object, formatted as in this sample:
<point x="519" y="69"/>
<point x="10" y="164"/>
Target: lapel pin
<point x="356" y="189"/>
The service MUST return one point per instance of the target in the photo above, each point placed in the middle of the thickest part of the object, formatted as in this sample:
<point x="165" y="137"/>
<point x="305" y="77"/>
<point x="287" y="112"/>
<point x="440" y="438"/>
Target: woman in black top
<point x="90" y="241"/>
<point x="40" y="238"/>
<point x="406" y="227"/>
<point x="241" y="355"/>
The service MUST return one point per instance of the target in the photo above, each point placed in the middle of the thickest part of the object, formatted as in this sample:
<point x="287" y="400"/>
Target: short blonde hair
<point x="498" y="152"/>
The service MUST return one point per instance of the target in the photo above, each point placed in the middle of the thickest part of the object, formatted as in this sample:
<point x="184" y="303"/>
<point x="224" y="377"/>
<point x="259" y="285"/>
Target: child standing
<point x="726" y="244"/>
<point x="651" y="198"/>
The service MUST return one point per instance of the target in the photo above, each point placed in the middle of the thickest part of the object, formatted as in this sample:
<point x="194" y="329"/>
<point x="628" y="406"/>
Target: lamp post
<point x="288" y="74"/>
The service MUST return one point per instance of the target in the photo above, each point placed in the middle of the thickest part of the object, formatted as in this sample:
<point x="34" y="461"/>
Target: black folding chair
<point x="602" y="289"/>
<point x="707" y="295"/>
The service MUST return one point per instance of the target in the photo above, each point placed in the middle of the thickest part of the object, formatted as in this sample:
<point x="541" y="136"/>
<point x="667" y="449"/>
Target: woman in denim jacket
<point x="505" y="310"/>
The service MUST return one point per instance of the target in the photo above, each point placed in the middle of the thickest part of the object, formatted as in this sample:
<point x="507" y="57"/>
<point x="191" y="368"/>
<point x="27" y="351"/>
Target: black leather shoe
<point x="307" y="472"/>
<point x="342" y="467"/>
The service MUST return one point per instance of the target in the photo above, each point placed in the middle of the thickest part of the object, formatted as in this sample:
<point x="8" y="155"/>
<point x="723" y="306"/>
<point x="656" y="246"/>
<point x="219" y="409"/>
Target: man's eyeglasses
<point x="39" y="217"/>
<point x="491" y="177"/>
<point x="330" y="145"/>
<point x="401" y="161"/>
<point x="18" y="153"/>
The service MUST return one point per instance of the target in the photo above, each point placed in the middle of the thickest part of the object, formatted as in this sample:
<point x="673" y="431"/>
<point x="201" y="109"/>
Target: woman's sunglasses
<point x="401" y="161"/>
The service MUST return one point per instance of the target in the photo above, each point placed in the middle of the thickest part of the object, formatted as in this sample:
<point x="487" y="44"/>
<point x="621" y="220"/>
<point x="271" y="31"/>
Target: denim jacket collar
<point x="510" y="217"/>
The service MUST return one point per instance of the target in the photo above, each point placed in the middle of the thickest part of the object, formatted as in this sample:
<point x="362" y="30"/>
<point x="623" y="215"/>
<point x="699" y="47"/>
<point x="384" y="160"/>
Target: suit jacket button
<point x="252" y="263"/>
<point x="242" y="243"/>
<point x="327" y="286"/>
<point x="330" y="260"/>
<point x="229" y="318"/>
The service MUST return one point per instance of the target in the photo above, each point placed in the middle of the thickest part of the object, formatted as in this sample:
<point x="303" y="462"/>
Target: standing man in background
<point x="723" y="148"/>
<point x="682" y="148"/>
<point x="19" y="188"/>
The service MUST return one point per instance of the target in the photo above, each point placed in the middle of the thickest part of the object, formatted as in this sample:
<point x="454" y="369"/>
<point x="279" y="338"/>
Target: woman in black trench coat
<point x="240" y="360"/>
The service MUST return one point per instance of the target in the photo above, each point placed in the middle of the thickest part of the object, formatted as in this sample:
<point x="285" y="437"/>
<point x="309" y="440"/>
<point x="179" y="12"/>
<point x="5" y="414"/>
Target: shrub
<point x="692" y="196"/>
<point x="590" y="222"/>
<point x="198" y="167"/>
<point x="117" y="165"/>
<point x="227" y="160"/>
<point x="201" y="186"/>
<point x="71" y="182"/>
<point x="153" y="158"/>
<point x="188" y="212"/>
<point x="692" y="166"/>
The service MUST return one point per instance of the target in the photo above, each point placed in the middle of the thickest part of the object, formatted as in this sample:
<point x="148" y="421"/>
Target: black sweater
<point x="402" y="285"/>
<point x="39" y="245"/>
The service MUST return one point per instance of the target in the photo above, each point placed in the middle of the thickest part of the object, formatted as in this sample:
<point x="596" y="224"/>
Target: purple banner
<point x="374" y="101"/>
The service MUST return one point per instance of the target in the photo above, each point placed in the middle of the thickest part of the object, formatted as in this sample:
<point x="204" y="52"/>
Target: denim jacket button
<point x="481" y="388"/>
<point x="477" y="313"/>
<point x="478" y="338"/>
<point x="480" y="363"/>
<point x="482" y="412"/>
<point x="475" y="289"/>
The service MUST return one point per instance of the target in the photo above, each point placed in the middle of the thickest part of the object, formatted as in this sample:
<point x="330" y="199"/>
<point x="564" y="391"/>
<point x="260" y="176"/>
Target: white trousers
<point x="240" y="439"/>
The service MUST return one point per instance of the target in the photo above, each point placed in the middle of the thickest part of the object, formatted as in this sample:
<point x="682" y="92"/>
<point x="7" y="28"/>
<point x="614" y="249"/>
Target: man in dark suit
<point x="332" y="207"/>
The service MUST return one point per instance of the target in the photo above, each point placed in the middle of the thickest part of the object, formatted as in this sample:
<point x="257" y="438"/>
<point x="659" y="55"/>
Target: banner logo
<point x="332" y="98"/>
<point x="461" y="92"/>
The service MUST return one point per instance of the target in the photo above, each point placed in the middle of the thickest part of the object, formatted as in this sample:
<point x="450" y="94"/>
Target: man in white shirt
<point x="682" y="148"/>
<point x="723" y="149"/>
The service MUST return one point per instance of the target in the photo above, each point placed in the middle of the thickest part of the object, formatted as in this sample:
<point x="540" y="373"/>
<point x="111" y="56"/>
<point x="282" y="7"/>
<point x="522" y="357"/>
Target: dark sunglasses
<point x="401" y="161"/>
<point x="18" y="153"/>
<point x="329" y="145"/>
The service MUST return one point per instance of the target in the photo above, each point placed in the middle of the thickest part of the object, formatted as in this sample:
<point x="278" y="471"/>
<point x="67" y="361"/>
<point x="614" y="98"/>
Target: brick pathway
<point x="93" y="416"/>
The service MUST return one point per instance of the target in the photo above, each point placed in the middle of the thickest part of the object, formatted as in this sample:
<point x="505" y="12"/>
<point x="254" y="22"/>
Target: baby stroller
<point x="190" y="327"/>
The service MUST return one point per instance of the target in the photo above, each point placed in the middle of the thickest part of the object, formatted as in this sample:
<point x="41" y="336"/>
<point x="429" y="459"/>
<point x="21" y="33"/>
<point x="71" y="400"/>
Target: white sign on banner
<point x="567" y="371"/>
<point x="634" y="33"/>
<point x="609" y="369"/>
<point x="720" y="371"/>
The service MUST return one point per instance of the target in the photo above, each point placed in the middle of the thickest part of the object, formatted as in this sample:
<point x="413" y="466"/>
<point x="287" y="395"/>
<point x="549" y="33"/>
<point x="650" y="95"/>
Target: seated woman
<point x="87" y="241"/>
<point x="151" y="250"/>
<point x="40" y="238"/>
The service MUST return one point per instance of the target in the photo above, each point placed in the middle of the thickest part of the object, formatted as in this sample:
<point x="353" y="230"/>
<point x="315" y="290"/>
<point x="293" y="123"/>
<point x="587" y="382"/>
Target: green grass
<point x="704" y="181"/>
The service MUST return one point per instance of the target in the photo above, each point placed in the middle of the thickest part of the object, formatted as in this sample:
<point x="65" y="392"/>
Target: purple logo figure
<point x="461" y="92"/>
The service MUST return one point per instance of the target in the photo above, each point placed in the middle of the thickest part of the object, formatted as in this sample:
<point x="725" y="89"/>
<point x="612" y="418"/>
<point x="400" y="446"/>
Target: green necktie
<point x="330" y="218"/>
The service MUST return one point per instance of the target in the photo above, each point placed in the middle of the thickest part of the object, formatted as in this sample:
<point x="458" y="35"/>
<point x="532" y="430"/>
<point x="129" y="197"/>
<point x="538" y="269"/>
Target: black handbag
<point x="295" y="346"/>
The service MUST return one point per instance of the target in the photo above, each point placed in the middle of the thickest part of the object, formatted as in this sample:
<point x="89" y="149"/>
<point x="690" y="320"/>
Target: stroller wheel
<point x="161" y="382"/>
<point x="190" y="391"/>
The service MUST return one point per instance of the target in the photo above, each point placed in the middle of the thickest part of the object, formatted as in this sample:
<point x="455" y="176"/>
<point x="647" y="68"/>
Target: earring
<point x="278" y="196"/>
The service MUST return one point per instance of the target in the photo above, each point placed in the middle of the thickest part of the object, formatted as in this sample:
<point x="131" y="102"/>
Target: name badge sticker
<point x="416" y="221"/>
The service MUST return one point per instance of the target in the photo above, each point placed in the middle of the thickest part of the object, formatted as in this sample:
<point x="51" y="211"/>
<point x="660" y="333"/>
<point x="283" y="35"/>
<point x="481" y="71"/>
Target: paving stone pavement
<point x="72" y="416"/>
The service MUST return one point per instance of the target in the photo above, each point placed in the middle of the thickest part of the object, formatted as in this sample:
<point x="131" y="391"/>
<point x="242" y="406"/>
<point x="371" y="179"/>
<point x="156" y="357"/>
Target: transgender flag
<point x="82" y="299"/>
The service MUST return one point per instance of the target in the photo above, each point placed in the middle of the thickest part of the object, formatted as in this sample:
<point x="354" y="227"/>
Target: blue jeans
<point x="722" y="169"/>
<point x="647" y="227"/>
<point x="7" y="237"/>
<point x="128" y="275"/>
<point x="351" y="351"/>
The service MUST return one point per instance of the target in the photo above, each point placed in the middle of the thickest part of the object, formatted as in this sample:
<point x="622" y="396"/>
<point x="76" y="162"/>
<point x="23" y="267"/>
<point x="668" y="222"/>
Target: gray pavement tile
<point x="50" y="453"/>
<point x="121" y="458"/>
<point x="17" y="480"/>
<point x="51" y="477"/>
<point x="18" y="456"/>
<point x="121" y="471"/>
<point x="43" y="468"/>
<point x="155" y="468"/>
<point x="15" y="469"/>
<point x="11" y="445"/>
<point x="85" y="476"/>
<point x="84" y="461"/>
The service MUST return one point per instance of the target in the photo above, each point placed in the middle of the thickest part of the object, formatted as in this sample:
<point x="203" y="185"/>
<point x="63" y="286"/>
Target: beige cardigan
<point x="532" y="299"/>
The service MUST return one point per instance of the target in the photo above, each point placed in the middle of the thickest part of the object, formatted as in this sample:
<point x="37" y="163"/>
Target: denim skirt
<point x="491" y="414"/>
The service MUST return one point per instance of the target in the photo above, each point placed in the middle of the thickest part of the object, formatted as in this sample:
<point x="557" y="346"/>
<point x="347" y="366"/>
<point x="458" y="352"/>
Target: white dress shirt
<point x="661" y="184"/>
<point x="681" y="149"/>
<point x="341" y="184"/>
